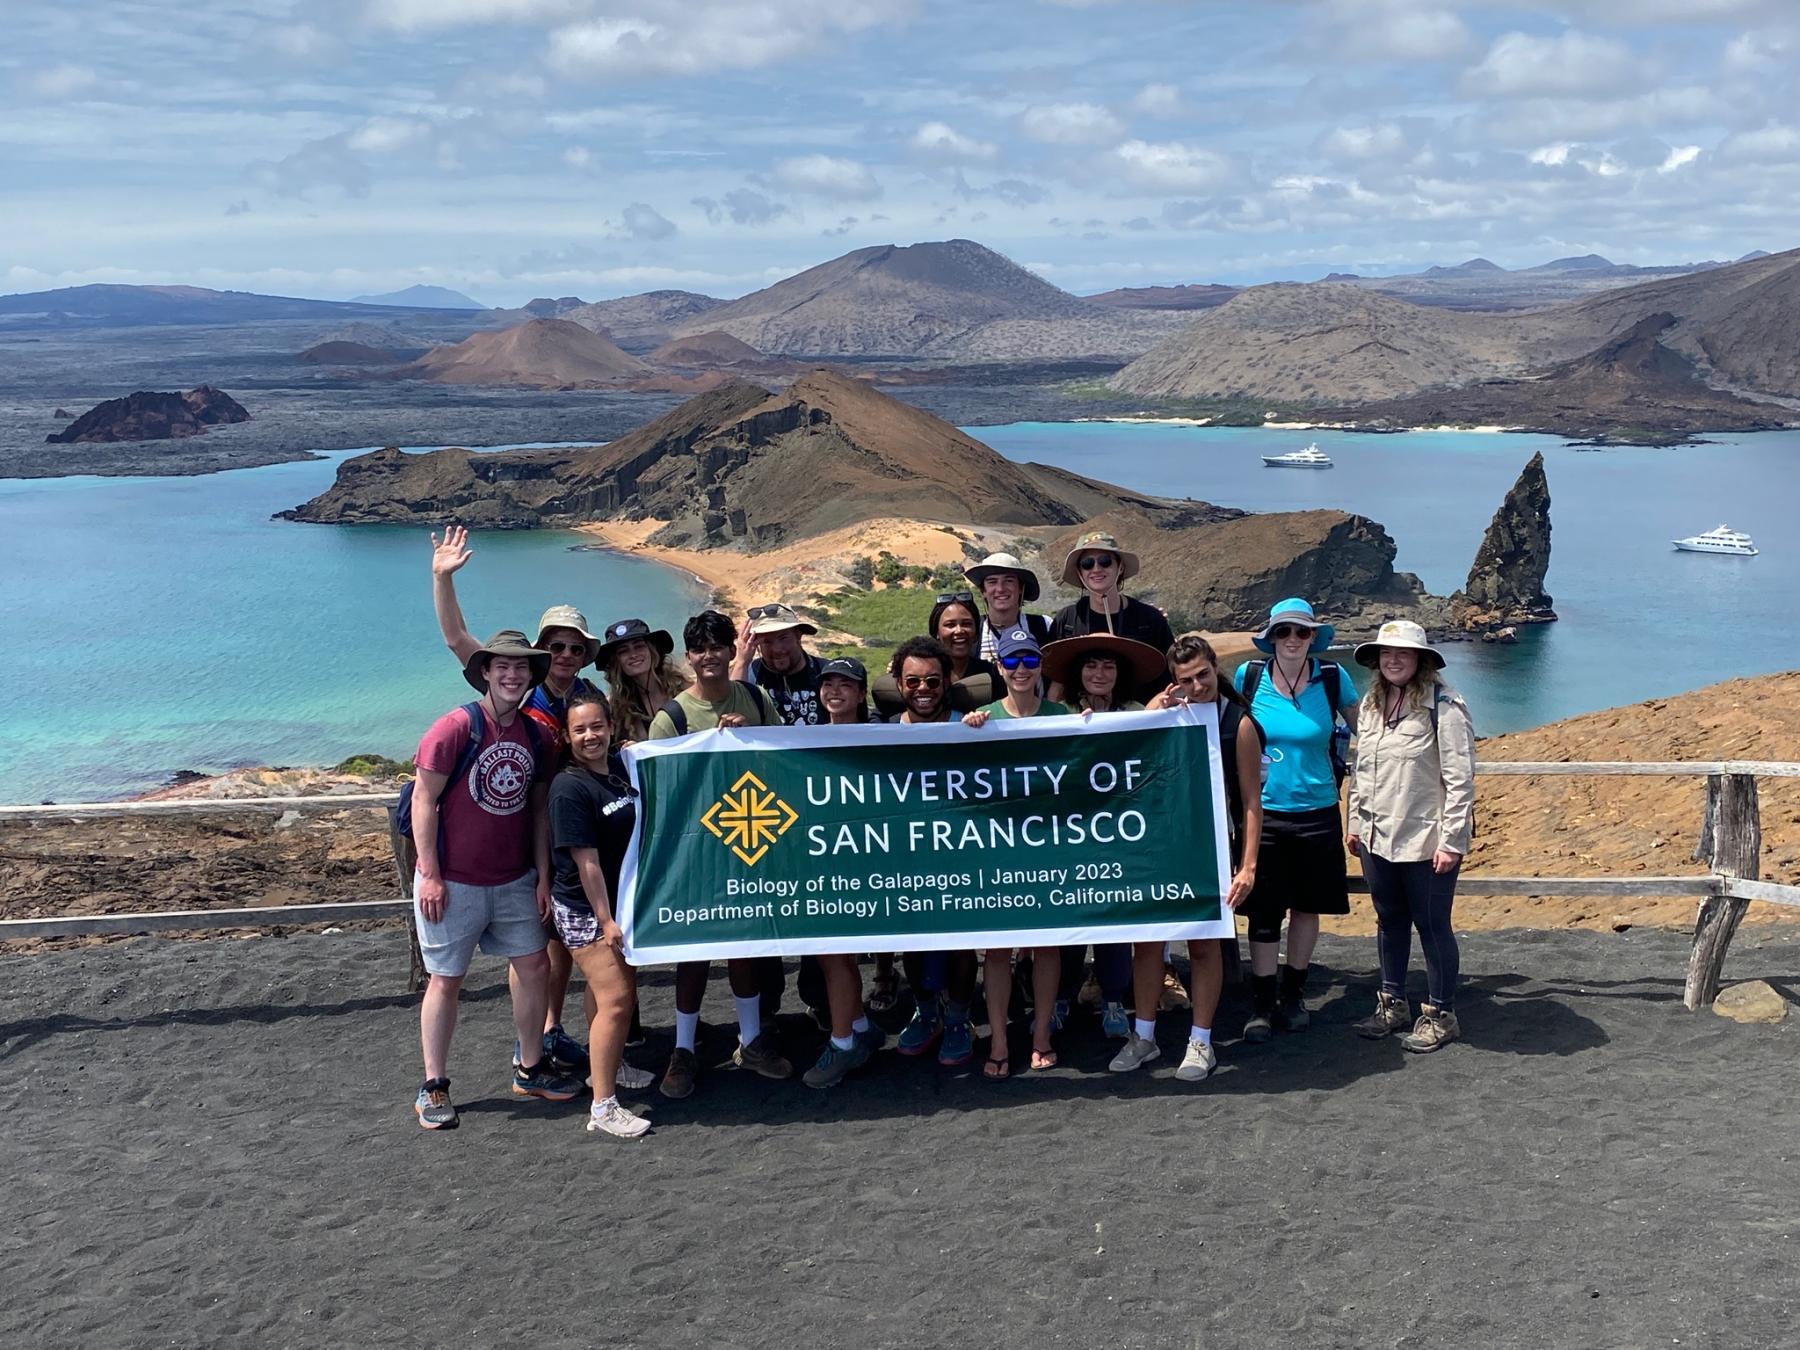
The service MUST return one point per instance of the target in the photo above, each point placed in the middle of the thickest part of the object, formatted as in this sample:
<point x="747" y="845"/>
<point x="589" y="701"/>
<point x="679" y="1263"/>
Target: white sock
<point x="599" y="1107"/>
<point x="1146" y="1031"/>
<point x="749" y="1012"/>
<point x="860" y="1024"/>
<point x="1168" y="951"/>
<point x="844" y="1042"/>
<point x="1201" y="1034"/>
<point x="687" y="1030"/>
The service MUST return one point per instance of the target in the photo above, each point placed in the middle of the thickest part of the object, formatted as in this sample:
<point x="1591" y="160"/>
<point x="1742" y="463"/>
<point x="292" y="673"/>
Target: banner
<point x="1044" y="831"/>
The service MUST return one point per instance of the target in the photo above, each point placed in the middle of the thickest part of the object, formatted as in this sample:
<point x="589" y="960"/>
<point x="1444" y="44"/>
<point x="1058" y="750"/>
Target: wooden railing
<point x="1730" y="844"/>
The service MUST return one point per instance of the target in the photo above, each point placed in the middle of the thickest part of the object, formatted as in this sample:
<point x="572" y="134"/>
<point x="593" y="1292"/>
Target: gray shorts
<point x="502" y="920"/>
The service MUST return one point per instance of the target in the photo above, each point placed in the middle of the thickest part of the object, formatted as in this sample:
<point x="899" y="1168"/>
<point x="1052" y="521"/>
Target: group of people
<point x="521" y="814"/>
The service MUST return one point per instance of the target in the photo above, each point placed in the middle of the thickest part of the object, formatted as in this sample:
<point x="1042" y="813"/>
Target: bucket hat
<point x="631" y="630"/>
<point x="1139" y="662"/>
<point x="777" y="619"/>
<point x="1405" y="635"/>
<point x="1298" y="612"/>
<point x="507" y="642"/>
<point x="996" y="563"/>
<point x="567" y="616"/>
<point x="1098" y="541"/>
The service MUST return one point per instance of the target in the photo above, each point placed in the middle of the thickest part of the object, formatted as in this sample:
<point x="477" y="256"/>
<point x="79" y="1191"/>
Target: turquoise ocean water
<point x="155" y="624"/>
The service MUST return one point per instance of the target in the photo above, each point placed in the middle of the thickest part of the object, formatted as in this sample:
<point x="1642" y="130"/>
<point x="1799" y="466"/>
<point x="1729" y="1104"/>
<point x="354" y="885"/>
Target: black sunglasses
<point x="923" y="682"/>
<point x="1288" y="630"/>
<point x="1029" y="660"/>
<point x="1089" y="563"/>
<point x="766" y="611"/>
<point x="956" y="598"/>
<point x="557" y="646"/>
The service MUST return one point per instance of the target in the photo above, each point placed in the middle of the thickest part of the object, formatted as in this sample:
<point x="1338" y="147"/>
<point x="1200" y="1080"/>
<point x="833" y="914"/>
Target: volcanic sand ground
<point x="210" y="1143"/>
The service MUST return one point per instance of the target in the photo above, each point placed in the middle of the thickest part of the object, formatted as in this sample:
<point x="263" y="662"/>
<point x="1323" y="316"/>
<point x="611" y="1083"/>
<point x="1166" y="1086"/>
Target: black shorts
<point x="1300" y="865"/>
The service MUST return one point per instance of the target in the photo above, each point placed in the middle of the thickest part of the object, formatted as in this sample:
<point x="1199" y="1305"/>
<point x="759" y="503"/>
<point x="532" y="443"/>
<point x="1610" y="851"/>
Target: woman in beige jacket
<point x="1412" y="814"/>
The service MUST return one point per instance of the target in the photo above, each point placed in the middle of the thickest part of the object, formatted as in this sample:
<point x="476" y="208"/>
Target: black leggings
<point x="1410" y="895"/>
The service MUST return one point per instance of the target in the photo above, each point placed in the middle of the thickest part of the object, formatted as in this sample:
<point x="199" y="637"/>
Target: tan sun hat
<point x="1098" y="542"/>
<point x="507" y="642"/>
<point x="777" y="618"/>
<point x="1005" y="562"/>
<point x="1403" y="635"/>
<point x="567" y="616"/>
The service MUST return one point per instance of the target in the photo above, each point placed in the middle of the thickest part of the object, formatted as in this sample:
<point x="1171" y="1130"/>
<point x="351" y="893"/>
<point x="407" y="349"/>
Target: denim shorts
<point x="501" y="920"/>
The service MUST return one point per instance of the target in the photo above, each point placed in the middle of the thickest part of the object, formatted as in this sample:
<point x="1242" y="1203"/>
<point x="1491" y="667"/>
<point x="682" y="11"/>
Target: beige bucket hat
<point x="1405" y="635"/>
<point x="567" y="616"/>
<point x="777" y="618"/>
<point x="1005" y="562"/>
<point x="1099" y="541"/>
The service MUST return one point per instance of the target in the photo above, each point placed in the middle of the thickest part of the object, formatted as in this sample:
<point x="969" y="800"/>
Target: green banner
<point x="1039" y="832"/>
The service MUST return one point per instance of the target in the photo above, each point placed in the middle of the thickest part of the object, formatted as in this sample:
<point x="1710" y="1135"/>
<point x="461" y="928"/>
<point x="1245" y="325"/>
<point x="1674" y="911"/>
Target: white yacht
<point x="1310" y="458"/>
<point x="1724" y="539"/>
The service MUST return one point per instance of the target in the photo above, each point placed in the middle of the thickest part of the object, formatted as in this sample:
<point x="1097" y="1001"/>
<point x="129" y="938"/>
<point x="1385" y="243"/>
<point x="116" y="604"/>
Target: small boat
<point x="1723" y="539"/>
<point x="1310" y="458"/>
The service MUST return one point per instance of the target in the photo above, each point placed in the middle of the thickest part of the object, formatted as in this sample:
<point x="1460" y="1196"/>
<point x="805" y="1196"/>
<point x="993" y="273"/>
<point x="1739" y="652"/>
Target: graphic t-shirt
<point x="997" y="711"/>
<point x="548" y="710"/>
<point x="1297" y="739"/>
<point x="487" y="817"/>
<point x="589" y="811"/>
<point x="796" y="696"/>
<point x="755" y="708"/>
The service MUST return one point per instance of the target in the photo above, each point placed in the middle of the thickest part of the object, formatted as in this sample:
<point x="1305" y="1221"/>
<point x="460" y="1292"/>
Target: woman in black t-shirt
<point x="592" y="814"/>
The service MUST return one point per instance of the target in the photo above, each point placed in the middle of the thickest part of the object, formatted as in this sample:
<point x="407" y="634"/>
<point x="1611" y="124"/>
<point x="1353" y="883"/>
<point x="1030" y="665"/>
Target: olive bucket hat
<point x="567" y="616"/>
<point x="1098" y="541"/>
<point x="507" y="642"/>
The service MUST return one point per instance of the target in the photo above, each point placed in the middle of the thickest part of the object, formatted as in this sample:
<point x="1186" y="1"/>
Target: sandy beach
<point x="211" y="1143"/>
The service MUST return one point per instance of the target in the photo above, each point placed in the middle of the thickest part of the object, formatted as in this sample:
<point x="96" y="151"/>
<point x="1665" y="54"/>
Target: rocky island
<point x="146" y="416"/>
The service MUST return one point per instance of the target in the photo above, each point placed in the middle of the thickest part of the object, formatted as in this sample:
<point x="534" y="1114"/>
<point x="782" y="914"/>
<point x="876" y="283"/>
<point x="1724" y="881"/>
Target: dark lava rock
<point x="146" y="416"/>
<point x="1506" y="583"/>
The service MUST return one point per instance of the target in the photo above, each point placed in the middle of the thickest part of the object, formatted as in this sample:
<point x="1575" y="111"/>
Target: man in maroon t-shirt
<point x="482" y="830"/>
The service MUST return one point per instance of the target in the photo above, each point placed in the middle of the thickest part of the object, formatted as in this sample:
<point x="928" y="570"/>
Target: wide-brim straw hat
<point x="1139" y="662"/>
<point x="778" y="618"/>
<point x="507" y="642"/>
<point x="1403" y="635"/>
<point x="567" y="616"/>
<point x="996" y="563"/>
<point x="1298" y="612"/>
<point x="1099" y="542"/>
<point x="632" y="630"/>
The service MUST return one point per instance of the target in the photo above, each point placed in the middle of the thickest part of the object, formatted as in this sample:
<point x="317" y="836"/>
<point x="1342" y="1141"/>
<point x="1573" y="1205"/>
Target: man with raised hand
<point x="716" y="700"/>
<point x="770" y="656"/>
<point x="1006" y="585"/>
<point x="482" y="831"/>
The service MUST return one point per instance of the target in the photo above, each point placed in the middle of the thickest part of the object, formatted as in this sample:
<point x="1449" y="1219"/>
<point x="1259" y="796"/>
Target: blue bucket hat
<point x="1299" y="612"/>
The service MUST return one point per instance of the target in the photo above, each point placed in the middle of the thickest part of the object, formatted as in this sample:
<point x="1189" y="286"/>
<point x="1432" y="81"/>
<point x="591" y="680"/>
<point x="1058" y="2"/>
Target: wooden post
<point x="1731" y="842"/>
<point x="406" y="860"/>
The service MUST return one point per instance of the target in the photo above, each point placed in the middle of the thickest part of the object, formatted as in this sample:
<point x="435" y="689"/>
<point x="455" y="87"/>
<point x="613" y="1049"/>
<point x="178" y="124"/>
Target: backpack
<point x="400" y="813"/>
<point x="1331" y="675"/>
<point x="678" y="714"/>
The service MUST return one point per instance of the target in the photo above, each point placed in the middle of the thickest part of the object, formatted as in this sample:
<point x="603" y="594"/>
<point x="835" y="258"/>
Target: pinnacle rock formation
<point x="1506" y="583"/>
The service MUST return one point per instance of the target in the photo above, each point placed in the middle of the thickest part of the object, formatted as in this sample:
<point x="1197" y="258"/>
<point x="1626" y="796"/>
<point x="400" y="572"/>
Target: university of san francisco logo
<point x="748" y="817"/>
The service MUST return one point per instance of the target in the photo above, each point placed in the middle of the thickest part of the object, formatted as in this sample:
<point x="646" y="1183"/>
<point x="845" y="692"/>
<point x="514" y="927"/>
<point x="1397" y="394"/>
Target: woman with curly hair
<point x="639" y="676"/>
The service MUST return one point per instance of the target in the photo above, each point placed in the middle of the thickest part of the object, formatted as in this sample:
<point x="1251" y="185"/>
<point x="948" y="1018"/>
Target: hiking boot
<point x="1091" y="995"/>
<point x="678" y="1078"/>
<point x="959" y="1038"/>
<point x="608" y="1117"/>
<point x="1135" y="1053"/>
<point x="1290" y="1011"/>
<point x="1261" y="1024"/>
<point x="542" y="1081"/>
<point x="630" y="1078"/>
<point x="1114" y="1024"/>
<point x="433" y="1105"/>
<point x="1174" y="992"/>
<point x="1197" y="1063"/>
<point x="763" y="1056"/>
<point x="922" y="1032"/>
<point x="835" y="1065"/>
<point x="566" y="1054"/>
<point x="1390" y="1015"/>
<point x="1435" y="1029"/>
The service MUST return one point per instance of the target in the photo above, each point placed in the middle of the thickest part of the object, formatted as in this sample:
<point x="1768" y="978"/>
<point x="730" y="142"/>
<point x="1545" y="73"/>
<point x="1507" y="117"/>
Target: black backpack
<point x="678" y="714"/>
<point x="1331" y="675"/>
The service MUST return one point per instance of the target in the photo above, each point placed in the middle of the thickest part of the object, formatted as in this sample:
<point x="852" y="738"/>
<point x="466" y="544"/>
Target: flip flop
<point x="1043" y="1059"/>
<point x="996" y="1069"/>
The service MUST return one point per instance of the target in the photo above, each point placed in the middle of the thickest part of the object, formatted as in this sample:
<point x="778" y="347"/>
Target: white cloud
<point x="1376" y="141"/>
<point x="63" y="81"/>
<point x="701" y="37"/>
<point x="1388" y="31"/>
<point x="300" y="41"/>
<point x="1158" y="100"/>
<point x="415" y="15"/>
<point x="1554" y="156"/>
<point x="643" y="221"/>
<point x="1170" y="166"/>
<point x="1071" y="124"/>
<point x="578" y="157"/>
<point x="1677" y="157"/>
<point x="827" y="176"/>
<point x="1520" y="65"/>
<point x="1758" y="51"/>
<point x="943" y="141"/>
<point x="743" y="206"/>
<point x="1774" y="143"/>
<point x="384" y="135"/>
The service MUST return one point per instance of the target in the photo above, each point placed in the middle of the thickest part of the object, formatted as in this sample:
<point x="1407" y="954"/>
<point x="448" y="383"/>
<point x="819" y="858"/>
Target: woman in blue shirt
<point x="1297" y="701"/>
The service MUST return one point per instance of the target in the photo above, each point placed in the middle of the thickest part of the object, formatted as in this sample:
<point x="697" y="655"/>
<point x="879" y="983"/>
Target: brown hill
<point x="636" y="322"/>
<point x="148" y="416"/>
<point x="540" y="354"/>
<point x="340" y="353"/>
<point x="704" y="349"/>
<point x="1164" y="297"/>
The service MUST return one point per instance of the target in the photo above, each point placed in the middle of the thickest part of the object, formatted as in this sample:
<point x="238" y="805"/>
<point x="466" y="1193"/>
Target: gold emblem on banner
<point x="748" y="817"/>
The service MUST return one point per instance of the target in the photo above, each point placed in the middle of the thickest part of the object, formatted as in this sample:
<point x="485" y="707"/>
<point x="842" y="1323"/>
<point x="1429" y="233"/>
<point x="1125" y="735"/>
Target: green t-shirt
<point x="751" y="704"/>
<point x="1045" y="709"/>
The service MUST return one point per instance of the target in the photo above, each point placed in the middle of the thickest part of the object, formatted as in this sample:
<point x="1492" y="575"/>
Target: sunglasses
<point x="1027" y="660"/>
<point x="956" y="598"/>
<point x="557" y="647"/>
<point x="1094" y="561"/>
<point x="1288" y="630"/>
<point x="923" y="682"/>
<point x="767" y="611"/>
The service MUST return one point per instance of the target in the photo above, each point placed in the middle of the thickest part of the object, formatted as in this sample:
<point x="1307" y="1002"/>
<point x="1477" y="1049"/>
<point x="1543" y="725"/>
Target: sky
<point x="520" y="148"/>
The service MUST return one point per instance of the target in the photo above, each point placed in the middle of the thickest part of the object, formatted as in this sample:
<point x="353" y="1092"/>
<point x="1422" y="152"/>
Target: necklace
<point x="1295" y="682"/>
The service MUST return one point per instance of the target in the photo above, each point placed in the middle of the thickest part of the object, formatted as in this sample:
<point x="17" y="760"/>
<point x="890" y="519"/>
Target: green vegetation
<point x="883" y="618"/>
<point x="374" y="766"/>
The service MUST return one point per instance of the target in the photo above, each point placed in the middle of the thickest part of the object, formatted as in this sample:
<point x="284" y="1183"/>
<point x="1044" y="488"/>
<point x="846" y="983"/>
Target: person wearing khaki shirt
<point x="1412" y="816"/>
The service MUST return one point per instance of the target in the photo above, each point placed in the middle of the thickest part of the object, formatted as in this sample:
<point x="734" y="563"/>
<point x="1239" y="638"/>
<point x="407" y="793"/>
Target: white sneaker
<point x="609" y="1117"/>
<point x="630" y="1078"/>
<point x="1136" y="1053"/>
<point x="1197" y="1063"/>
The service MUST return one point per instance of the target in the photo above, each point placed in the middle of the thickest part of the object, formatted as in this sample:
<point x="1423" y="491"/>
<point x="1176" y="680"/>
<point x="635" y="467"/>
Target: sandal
<point x="1043" y="1059"/>
<point x="996" y="1069"/>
